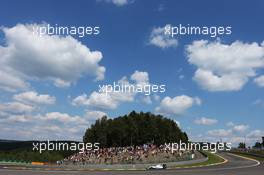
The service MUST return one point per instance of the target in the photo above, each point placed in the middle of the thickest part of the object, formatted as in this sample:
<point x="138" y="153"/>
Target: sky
<point x="49" y="85"/>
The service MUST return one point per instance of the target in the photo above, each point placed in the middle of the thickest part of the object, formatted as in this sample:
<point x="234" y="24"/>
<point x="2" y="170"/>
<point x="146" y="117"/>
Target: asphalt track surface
<point x="234" y="166"/>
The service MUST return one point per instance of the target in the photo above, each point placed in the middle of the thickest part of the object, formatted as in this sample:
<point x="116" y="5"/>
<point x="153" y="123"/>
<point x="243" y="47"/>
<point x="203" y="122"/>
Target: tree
<point x="242" y="145"/>
<point x="257" y="145"/>
<point x="134" y="129"/>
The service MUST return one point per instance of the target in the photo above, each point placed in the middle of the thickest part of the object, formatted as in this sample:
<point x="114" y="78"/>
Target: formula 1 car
<point x="157" y="167"/>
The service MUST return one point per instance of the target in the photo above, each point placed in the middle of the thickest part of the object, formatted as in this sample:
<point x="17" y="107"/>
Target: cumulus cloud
<point x="212" y="82"/>
<point x="10" y="82"/>
<point x="237" y="128"/>
<point x="220" y="133"/>
<point x="156" y="97"/>
<point x="24" y="104"/>
<point x="51" y="116"/>
<point x="146" y="100"/>
<point x="51" y="125"/>
<point x="224" y="67"/>
<point x="27" y="56"/>
<point x="20" y="118"/>
<point x="205" y="121"/>
<point x="234" y="134"/>
<point x="176" y="105"/>
<point x="259" y="81"/>
<point x="94" y="115"/>
<point x="240" y="128"/>
<point x="159" y="39"/>
<point x="140" y="77"/>
<point x="32" y="97"/>
<point x="257" y="134"/>
<point x="111" y="100"/>
<point x="102" y="100"/>
<point x="62" y="117"/>
<point x="16" y="107"/>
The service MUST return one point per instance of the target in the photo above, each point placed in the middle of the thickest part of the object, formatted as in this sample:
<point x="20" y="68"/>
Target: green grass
<point x="212" y="159"/>
<point x="261" y="159"/>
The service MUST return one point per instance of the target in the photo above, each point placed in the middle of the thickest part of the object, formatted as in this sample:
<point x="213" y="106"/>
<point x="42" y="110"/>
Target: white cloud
<point x="18" y="118"/>
<point x="256" y="134"/>
<point x="52" y="125"/>
<point x="212" y="82"/>
<point x="176" y="105"/>
<point x="32" y="97"/>
<point x="223" y="67"/>
<point x="94" y="115"/>
<point x="140" y="77"/>
<point x="205" y="121"/>
<point x="102" y="100"/>
<point x="159" y="39"/>
<point x="111" y="100"/>
<point x="156" y="97"/>
<point x="240" y="128"/>
<point x="96" y="99"/>
<point x="259" y="81"/>
<point x="10" y="82"/>
<point x="118" y="3"/>
<point x="220" y="133"/>
<point x="27" y="56"/>
<point x="146" y="100"/>
<point x="63" y="118"/>
<point x="16" y="107"/>
<point x="234" y="135"/>
<point x="61" y="83"/>
<point x="237" y="128"/>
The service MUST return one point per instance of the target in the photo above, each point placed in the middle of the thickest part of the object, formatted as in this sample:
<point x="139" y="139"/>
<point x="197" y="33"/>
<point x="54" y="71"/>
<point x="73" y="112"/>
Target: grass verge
<point x="261" y="159"/>
<point x="212" y="159"/>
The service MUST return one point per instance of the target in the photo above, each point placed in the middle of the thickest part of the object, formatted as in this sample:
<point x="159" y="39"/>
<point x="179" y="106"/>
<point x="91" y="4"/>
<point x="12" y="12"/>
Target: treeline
<point x="28" y="156"/>
<point x="22" y="151"/>
<point x="134" y="129"/>
<point x="8" y="145"/>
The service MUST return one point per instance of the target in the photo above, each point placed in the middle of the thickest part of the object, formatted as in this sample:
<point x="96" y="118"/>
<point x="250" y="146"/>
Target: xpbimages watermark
<point x="78" y="31"/>
<point x="198" y="146"/>
<point x="146" y="89"/>
<point x="212" y="31"/>
<point x="64" y="146"/>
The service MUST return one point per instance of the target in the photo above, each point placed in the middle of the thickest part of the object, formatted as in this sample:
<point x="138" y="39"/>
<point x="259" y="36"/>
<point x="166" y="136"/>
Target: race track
<point x="234" y="166"/>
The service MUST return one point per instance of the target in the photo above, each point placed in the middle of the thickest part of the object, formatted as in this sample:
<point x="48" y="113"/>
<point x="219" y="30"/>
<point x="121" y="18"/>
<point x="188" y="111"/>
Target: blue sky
<point x="220" y="97"/>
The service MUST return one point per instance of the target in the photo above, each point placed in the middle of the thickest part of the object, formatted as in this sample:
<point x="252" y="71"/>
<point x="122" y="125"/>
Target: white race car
<point x="157" y="167"/>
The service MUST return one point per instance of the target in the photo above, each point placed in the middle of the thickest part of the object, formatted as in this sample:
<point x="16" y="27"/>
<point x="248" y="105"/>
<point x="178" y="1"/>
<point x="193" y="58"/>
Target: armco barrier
<point x="14" y="162"/>
<point x="134" y="166"/>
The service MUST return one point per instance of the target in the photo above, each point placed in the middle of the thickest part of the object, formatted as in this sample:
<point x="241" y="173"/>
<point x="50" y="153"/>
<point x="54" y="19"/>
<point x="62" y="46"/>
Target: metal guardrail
<point x="116" y="166"/>
<point x="14" y="162"/>
<point x="134" y="166"/>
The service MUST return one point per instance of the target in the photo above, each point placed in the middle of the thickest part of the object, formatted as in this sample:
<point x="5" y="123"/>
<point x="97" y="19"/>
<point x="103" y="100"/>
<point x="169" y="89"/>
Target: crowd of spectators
<point x="147" y="153"/>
